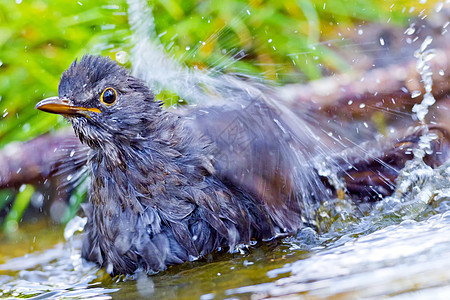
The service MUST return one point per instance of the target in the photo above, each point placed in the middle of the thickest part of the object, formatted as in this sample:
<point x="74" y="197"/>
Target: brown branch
<point x="382" y="89"/>
<point x="36" y="160"/>
<point x="359" y="95"/>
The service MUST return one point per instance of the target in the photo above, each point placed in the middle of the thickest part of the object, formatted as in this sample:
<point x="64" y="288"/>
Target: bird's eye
<point x="109" y="96"/>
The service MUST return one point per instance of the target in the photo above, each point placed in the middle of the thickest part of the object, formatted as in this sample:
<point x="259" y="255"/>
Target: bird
<point x="164" y="189"/>
<point x="171" y="186"/>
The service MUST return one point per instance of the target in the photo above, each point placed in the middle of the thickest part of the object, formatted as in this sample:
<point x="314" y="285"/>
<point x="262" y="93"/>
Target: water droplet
<point x="270" y="41"/>
<point x="410" y="30"/>
<point x="441" y="72"/>
<point x="247" y="263"/>
<point x="74" y="225"/>
<point x="362" y="105"/>
<point x="122" y="57"/>
<point x="416" y="94"/>
<point x="162" y="33"/>
<point x="189" y="48"/>
<point x="26" y="127"/>
<point x="18" y="1"/>
<point x="381" y="41"/>
<point x="209" y="296"/>
<point x="428" y="99"/>
<point x="112" y="6"/>
<point x="248" y="12"/>
<point x="360" y="32"/>
<point x="426" y="43"/>
<point x="428" y="55"/>
<point x="107" y="26"/>
<point x="37" y="200"/>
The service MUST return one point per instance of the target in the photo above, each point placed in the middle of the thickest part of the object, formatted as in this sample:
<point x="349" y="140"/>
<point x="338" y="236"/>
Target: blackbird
<point x="172" y="186"/>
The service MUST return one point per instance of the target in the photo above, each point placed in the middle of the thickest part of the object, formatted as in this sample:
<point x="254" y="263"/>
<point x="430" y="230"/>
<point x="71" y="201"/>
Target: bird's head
<point x="103" y="102"/>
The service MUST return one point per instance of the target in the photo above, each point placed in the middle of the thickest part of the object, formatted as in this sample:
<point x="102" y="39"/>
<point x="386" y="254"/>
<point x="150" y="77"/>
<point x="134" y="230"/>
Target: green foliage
<point x="280" y="40"/>
<point x="38" y="40"/>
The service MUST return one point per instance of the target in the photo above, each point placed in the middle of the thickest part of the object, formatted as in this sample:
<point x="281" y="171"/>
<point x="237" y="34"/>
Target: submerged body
<point x="170" y="187"/>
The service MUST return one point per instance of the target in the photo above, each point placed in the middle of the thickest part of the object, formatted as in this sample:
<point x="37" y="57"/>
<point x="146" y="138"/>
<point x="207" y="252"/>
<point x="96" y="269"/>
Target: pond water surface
<point x="399" y="249"/>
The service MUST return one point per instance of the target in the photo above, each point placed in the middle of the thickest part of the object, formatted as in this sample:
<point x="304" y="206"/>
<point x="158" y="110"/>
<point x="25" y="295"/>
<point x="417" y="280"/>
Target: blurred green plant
<point x="38" y="40"/>
<point x="278" y="40"/>
<point x="282" y="40"/>
<point x="18" y="208"/>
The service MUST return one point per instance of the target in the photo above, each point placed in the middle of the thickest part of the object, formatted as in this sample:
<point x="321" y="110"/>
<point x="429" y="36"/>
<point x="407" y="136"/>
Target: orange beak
<point x="56" y="105"/>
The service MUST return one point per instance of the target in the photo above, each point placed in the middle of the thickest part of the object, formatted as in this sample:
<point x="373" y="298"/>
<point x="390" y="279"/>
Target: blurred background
<point x="317" y="53"/>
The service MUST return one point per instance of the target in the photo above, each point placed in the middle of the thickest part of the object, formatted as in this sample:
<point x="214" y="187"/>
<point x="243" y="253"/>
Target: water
<point x="397" y="247"/>
<point x="407" y="260"/>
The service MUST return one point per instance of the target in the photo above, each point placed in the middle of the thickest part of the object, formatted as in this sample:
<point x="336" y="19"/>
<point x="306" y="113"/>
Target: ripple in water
<point x="53" y="274"/>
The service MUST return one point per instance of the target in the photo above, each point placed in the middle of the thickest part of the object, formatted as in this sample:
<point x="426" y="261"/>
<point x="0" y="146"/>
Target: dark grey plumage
<point x="161" y="192"/>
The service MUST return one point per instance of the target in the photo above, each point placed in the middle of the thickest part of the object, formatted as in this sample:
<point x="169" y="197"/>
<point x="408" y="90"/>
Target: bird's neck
<point x="163" y="156"/>
<point x="117" y="146"/>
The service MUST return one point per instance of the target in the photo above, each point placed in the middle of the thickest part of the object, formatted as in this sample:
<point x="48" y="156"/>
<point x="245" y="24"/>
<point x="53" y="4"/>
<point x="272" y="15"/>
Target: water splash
<point x="52" y="275"/>
<point x="423" y="66"/>
<point x="416" y="183"/>
<point x="152" y="64"/>
<point x="397" y="260"/>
